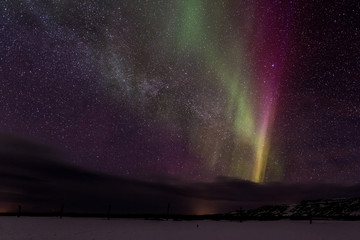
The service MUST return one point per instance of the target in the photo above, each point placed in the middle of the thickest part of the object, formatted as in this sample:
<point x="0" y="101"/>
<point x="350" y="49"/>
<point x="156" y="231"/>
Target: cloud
<point x="33" y="175"/>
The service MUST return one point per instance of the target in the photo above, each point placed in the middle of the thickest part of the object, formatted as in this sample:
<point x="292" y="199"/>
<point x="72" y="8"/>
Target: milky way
<point x="257" y="90"/>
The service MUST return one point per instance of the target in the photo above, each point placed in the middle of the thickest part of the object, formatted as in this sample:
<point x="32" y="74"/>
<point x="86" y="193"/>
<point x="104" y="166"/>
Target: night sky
<point x="263" y="91"/>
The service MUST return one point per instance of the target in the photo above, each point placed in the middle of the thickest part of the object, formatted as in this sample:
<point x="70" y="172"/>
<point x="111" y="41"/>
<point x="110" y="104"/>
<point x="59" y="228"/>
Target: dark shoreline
<point x="179" y="217"/>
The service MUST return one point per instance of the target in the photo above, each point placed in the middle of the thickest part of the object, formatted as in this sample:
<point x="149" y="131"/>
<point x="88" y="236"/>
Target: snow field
<point x="48" y="228"/>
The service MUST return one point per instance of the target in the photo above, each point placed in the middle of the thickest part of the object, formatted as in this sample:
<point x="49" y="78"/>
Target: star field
<point x="258" y="90"/>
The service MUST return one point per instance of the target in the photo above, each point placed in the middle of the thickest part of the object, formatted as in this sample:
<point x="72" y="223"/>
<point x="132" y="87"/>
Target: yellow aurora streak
<point x="262" y="149"/>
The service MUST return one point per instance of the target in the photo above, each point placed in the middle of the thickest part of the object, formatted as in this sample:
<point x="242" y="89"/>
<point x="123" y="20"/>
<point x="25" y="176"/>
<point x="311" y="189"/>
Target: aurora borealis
<point x="249" y="113"/>
<point x="256" y="90"/>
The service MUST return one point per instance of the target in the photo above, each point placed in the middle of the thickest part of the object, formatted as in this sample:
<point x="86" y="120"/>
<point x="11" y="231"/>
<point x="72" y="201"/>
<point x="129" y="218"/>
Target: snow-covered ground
<point x="47" y="228"/>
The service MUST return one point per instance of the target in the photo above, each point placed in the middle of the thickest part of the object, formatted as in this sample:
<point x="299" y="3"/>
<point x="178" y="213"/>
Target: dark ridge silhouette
<point x="35" y="177"/>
